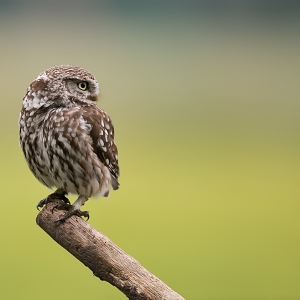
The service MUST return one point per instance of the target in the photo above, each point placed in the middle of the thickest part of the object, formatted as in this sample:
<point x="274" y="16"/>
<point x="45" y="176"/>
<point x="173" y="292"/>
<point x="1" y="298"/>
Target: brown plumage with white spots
<point x="67" y="140"/>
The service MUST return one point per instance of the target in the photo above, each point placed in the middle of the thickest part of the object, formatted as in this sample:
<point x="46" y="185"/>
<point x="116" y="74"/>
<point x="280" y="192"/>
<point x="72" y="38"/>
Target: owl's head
<point x="63" y="85"/>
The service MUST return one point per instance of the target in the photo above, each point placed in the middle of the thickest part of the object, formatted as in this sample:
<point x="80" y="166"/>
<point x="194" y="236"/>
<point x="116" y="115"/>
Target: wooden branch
<point x="105" y="259"/>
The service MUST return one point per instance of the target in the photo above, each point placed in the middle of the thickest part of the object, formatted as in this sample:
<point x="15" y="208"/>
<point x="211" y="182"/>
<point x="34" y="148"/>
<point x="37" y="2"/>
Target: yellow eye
<point x="82" y="85"/>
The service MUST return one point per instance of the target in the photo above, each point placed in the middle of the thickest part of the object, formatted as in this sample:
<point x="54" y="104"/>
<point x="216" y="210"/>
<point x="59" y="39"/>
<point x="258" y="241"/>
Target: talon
<point x="41" y="203"/>
<point x="53" y="208"/>
<point x="65" y="205"/>
<point x="61" y="206"/>
<point x="85" y="214"/>
<point x="58" y="194"/>
<point x="72" y="211"/>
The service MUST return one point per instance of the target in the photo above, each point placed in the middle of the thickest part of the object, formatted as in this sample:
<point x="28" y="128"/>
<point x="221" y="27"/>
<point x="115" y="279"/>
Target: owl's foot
<point x="71" y="210"/>
<point x="58" y="194"/>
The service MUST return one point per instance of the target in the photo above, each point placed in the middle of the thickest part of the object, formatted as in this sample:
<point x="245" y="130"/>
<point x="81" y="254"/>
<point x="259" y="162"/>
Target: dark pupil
<point x="82" y="85"/>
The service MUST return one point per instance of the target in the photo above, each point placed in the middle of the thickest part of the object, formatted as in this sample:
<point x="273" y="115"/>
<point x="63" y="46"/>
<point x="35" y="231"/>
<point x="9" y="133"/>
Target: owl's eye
<point x="82" y="85"/>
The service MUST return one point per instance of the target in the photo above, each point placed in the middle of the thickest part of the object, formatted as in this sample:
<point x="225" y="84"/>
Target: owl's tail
<point x="114" y="182"/>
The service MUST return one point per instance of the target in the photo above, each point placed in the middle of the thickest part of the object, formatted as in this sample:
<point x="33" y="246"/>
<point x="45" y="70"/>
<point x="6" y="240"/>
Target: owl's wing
<point x="102" y="134"/>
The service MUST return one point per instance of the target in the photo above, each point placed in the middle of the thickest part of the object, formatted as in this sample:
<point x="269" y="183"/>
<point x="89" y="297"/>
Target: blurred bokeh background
<point x="204" y="96"/>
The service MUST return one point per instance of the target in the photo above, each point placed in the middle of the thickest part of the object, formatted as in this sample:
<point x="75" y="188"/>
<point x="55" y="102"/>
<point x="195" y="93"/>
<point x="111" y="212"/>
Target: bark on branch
<point x="105" y="259"/>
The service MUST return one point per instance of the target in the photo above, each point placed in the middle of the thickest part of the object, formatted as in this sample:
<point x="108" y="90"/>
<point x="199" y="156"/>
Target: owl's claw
<point x="41" y="203"/>
<point x="52" y="197"/>
<point x="62" y="205"/>
<point x="71" y="211"/>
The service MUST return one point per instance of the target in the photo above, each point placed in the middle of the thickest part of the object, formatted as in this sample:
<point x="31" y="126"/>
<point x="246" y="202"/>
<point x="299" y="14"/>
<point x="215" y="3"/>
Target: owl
<point x="67" y="140"/>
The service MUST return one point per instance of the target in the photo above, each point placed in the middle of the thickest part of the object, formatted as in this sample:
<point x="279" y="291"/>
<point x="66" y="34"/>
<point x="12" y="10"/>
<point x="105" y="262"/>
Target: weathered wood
<point x="105" y="259"/>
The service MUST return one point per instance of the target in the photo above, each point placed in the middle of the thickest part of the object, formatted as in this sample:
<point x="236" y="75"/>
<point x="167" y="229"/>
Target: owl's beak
<point x="93" y="98"/>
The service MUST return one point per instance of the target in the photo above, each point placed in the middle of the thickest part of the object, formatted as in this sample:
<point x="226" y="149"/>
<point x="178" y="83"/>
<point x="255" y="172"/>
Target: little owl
<point x="67" y="140"/>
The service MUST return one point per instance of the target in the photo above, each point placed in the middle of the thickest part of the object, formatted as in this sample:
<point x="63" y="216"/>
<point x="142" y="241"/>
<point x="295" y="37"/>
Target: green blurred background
<point x="204" y="96"/>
